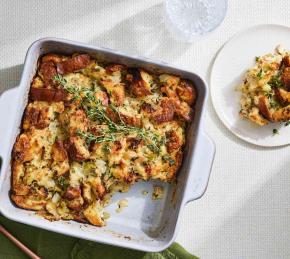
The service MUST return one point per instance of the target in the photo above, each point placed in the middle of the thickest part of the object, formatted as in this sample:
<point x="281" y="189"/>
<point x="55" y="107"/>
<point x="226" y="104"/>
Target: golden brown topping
<point x="140" y="82"/>
<point x="78" y="122"/>
<point x="28" y="202"/>
<point x="147" y="108"/>
<point x="36" y="117"/>
<point x="166" y="111"/>
<point x="47" y="94"/>
<point x="75" y="204"/>
<point x="93" y="213"/>
<point x="48" y="71"/>
<point x="103" y="97"/>
<point x="130" y="120"/>
<point x="183" y="110"/>
<point x="115" y="68"/>
<point x="263" y="107"/>
<point x="78" y="150"/>
<point x="22" y="149"/>
<point x="52" y="58"/>
<point x="133" y="142"/>
<point x="186" y="92"/>
<point x="58" y="151"/>
<point x="286" y="61"/>
<point x="98" y="189"/>
<point x="282" y="95"/>
<point x="173" y="141"/>
<point x="282" y="114"/>
<point x="285" y="77"/>
<point x="73" y="64"/>
<point x="116" y="91"/>
<point x="118" y="95"/>
<point x="73" y="192"/>
<point x="174" y="168"/>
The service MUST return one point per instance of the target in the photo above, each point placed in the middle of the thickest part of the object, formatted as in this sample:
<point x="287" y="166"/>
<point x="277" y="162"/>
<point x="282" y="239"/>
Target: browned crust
<point x="52" y="58"/>
<point x="285" y="77"/>
<point x="78" y="150"/>
<point x="58" y="151"/>
<point x="73" y="64"/>
<point x="186" y="92"/>
<point x="73" y="192"/>
<point x="115" y="68"/>
<point x="47" y="94"/>
<point x="48" y="71"/>
<point x="173" y="141"/>
<point x="174" y="168"/>
<point x="22" y="149"/>
<point x="263" y="108"/>
<point x="138" y="86"/>
<point x="286" y="61"/>
<point x="282" y="114"/>
<point x="28" y="202"/>
<point x="282" y="95"/>
<point x="166" y="111"/>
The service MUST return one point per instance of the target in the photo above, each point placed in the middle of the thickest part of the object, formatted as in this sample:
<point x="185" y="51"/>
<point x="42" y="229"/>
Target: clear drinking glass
<point x="188" y="20"/>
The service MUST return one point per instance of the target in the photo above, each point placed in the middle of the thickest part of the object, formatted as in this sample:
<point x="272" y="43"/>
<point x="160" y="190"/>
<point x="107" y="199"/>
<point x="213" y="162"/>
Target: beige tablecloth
<point x="245" y="211"/>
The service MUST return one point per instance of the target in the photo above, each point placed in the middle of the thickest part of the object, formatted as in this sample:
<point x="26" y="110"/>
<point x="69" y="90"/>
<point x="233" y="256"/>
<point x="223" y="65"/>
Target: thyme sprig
<point x="96" y="112"/>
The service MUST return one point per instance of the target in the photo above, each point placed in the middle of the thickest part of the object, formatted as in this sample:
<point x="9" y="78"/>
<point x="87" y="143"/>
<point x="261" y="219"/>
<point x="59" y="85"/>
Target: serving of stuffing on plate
<point x="266" y="89"/>
<point x="91" y="129"/>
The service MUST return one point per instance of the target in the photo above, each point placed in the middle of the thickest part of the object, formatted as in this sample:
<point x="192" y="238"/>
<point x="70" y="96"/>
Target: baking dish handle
<point x="205" y="157"/>
<point x="6" y="107"/>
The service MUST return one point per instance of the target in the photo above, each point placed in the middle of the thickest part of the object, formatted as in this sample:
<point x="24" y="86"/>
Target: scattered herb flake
<point x="275" y="132"/>
<point x="260" y="74"/>
<point x="169" y="159"/>
<point x="275" y="81"/>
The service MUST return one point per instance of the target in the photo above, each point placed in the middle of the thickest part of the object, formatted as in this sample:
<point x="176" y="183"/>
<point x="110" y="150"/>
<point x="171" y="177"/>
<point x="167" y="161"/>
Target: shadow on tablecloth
<point x="143" y="34"/>
<point x="10" y="77"/>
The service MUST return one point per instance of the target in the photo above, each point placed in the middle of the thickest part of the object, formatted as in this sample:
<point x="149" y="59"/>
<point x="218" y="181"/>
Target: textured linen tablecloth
<point x="245" y="211"/>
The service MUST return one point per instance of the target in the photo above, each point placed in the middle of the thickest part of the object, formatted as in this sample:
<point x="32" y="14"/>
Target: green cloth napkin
<point x="47" y="244"/>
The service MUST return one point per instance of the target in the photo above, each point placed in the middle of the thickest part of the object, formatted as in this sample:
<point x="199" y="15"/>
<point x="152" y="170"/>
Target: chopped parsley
<point x="62" y="181"/>
<point x="169" y="159"/>
<point x="257" y="59"/>
<point x="287" y="123"/>
<point x="274" y="104"/>
<point x="106" y="149"/>
<point x="275" y="132"/>
<point x="260" y="74"/>
<point x="275" y="81"/>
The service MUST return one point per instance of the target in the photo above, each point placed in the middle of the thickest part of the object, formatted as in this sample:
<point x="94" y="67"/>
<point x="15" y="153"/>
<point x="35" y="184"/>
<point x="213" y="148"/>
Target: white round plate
<point x="228" y="71"/>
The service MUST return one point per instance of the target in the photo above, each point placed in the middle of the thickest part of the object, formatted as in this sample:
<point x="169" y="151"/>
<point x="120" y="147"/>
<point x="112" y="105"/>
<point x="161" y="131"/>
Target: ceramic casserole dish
<point x="145" y="224"/>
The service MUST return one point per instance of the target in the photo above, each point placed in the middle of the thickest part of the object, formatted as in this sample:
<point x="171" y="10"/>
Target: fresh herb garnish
<point x="169" y="159"/>
<point x="96" y="112"/>
<point x="62" y="181"/>
<point x="274" y="104"/>
<point x="106" y="148"/>
<point x="275" y="81"/>
<point x="260" y="74"/>
<point x="275" y="132"/>
<point x="287" y="123"/>
<point x="257" y="59"/>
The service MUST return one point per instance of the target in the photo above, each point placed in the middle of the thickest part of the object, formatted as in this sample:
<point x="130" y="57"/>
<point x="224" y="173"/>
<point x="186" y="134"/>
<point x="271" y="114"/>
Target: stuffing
<point x="91" y="129"/>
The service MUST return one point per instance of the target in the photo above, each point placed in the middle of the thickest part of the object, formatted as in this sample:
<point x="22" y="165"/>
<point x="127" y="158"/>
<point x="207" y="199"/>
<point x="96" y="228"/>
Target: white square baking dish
<point x="145" y="224"/>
